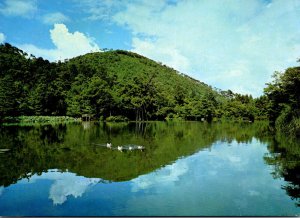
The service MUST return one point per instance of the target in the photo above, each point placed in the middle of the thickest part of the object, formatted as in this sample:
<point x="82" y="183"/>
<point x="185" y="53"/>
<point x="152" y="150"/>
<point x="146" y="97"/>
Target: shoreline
<point x="36" y="120"/>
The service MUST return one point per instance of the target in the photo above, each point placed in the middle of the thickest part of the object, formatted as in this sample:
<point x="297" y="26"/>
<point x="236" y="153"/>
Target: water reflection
<point x="166" y="175"/>
<point x="1" y="190"/>
<point x="66" y="184"/>
<point x="213" y="182"/>
<point x="220" y="169"/>
<point x="285" y="157"/>
<point x="86" y="125"/>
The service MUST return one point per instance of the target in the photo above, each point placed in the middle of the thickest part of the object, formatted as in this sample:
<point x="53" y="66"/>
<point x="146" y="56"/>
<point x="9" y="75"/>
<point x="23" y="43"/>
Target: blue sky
<point x="228" y="44"/>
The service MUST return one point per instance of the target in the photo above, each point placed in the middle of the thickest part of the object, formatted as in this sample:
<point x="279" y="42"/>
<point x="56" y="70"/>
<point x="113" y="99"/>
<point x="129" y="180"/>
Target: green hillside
<point x="113" y="85"/>
<point x="142" y="86"/>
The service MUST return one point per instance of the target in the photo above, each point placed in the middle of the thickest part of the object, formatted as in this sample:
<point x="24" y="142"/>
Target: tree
<point x="8" y="103"/>
<point x="89" y="96"/>
<point x="284" y="96"/>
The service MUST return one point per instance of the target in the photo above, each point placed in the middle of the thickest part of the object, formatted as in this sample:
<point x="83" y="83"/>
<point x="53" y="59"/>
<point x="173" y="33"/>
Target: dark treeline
<point x="120" y="85"/>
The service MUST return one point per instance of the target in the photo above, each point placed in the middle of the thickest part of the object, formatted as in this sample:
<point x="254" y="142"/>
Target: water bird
<point x="108" y="145"/>
<point x="130" y="148"/>
<point x="140" y="147"/>
<point x="120" y="148"/>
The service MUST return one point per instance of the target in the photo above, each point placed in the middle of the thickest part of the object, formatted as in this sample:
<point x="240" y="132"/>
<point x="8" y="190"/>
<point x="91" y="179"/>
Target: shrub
<point x="118" y="118"/>
<point x="40" y="119"/>
<point x="288" y="122"/>
<point x="174" y="117"/>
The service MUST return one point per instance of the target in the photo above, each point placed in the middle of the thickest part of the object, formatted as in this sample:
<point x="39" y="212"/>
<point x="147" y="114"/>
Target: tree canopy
<point x="284" y="101"/>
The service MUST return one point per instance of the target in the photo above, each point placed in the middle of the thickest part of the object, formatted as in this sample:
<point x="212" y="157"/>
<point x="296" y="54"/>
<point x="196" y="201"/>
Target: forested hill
<point x="140" y="87"/>
<point x="108" y="84"/>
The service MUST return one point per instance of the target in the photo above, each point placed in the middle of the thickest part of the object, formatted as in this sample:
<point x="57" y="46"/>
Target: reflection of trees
<point x="37" y="149"/>
<point x="30" y="150"/>
<point x="285" y="157"/>
<point x="140" y="128"/>
<point x="52" y="135"/>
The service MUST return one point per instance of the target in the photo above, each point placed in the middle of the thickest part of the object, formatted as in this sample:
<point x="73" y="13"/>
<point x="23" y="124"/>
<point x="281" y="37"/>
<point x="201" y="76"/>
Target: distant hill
<point x="151" y="86"/>
<point x="114" y="85"/>
<point x="127" y="65"/>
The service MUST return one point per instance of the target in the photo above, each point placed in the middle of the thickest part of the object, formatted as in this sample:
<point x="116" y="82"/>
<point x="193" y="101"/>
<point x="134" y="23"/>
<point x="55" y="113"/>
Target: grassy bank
<point x="28" y="120"/>
<point x="288" y="122"/>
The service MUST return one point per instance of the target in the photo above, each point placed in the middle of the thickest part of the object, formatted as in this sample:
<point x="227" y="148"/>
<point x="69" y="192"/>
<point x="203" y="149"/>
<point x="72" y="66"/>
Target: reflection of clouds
<point x="223" y="180"/>
<point x="212" y="172"/>
<point x="213" y="162"/>
<point x="253" y="193"/>
<point x="70" y="185"/>
<point x="65" y="184"/>
<point x="221" y="160"/>
<point x="237" y="155"/>
<point x="234" y="159"/>
<point x="170" y="173"/>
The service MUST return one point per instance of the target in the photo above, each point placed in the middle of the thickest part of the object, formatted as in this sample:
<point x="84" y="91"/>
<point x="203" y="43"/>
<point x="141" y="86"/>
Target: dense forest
<point x="120" y="85"/>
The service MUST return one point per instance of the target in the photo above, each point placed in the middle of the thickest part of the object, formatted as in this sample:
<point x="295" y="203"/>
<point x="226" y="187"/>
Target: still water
<point x="186" y="168"/>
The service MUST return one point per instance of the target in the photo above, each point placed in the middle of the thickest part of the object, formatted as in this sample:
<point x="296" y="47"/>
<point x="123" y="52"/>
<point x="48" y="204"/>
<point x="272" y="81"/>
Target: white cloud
<point x="170" y="55"/>
<point x="71" y="43"/>
<point x="56" y="17"/>
<point x="49" y="54"/>
<point x="18" y="8"/>
<point x="231" y="45"/>
<point x="99" y="9"/>
<point x="67" y="44"/>
<point x="2" y="38"/>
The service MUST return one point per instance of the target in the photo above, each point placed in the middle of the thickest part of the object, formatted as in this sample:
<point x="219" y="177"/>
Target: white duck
<point x="130" y="148"/>
<point x="140" y="147"/>
<point x="108" y="145"/>
<point x="120" y="148"/>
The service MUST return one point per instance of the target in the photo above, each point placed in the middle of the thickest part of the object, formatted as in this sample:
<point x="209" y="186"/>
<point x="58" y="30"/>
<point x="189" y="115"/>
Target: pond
<point x="185" y="168"/>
